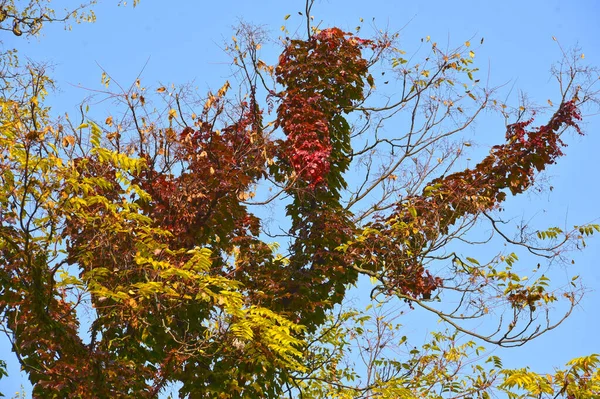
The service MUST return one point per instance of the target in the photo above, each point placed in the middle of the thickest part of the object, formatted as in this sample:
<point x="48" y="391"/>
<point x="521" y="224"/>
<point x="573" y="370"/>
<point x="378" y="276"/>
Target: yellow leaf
<point x="286" y="17"/>
<point x="223" y="90"/>
<point x="161" y="89"/>
<point x="212" y="170"/>
<point x="467" y="43"/>
<point x="105" y="79"/>
<point x="582" y="56"/>
<point x="109" y="121"/>
<point x="471" y="54"/>
<point x="172" y="114"/>
<point x="428" y="38"/>
<point x="243" y="196"/>
<point x="209" y="102"/>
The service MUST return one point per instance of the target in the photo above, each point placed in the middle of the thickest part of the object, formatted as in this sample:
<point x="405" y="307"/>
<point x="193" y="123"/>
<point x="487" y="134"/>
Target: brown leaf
<point x="68" y="141"/>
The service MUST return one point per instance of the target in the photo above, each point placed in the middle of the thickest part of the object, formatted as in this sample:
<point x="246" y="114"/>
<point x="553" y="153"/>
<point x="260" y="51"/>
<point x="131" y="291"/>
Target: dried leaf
<point x="68" y="141"/>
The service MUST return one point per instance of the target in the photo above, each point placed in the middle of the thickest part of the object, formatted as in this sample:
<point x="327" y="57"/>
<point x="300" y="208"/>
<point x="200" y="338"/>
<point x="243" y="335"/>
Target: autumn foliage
<point x="146" y="236"/>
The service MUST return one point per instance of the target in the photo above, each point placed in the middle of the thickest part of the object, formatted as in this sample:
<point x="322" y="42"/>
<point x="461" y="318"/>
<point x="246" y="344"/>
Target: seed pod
<point x="16" y="30"/>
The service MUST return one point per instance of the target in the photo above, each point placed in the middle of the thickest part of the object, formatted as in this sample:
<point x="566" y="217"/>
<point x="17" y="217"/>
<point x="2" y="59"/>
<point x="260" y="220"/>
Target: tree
<point x="146" y="229"/>
<point x="29" y="17"/>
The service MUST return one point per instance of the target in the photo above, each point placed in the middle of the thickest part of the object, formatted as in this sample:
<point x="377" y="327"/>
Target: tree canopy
<point x="136" y="254"/>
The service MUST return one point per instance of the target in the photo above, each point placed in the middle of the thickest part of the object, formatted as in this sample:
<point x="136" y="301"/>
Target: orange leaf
<point x="68" y="141"/>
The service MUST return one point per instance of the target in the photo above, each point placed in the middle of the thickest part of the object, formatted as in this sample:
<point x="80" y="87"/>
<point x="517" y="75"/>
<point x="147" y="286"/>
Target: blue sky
<point x="180" y="41"/>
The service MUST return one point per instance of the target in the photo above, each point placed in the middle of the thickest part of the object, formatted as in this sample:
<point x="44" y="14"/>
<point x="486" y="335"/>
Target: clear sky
<point x="180" y="41"/>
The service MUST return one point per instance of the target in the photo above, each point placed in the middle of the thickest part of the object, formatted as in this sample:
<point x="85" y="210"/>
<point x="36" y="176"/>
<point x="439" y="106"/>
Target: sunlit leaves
<point x="144" y="223"/>
<point x="580" y="380"/>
